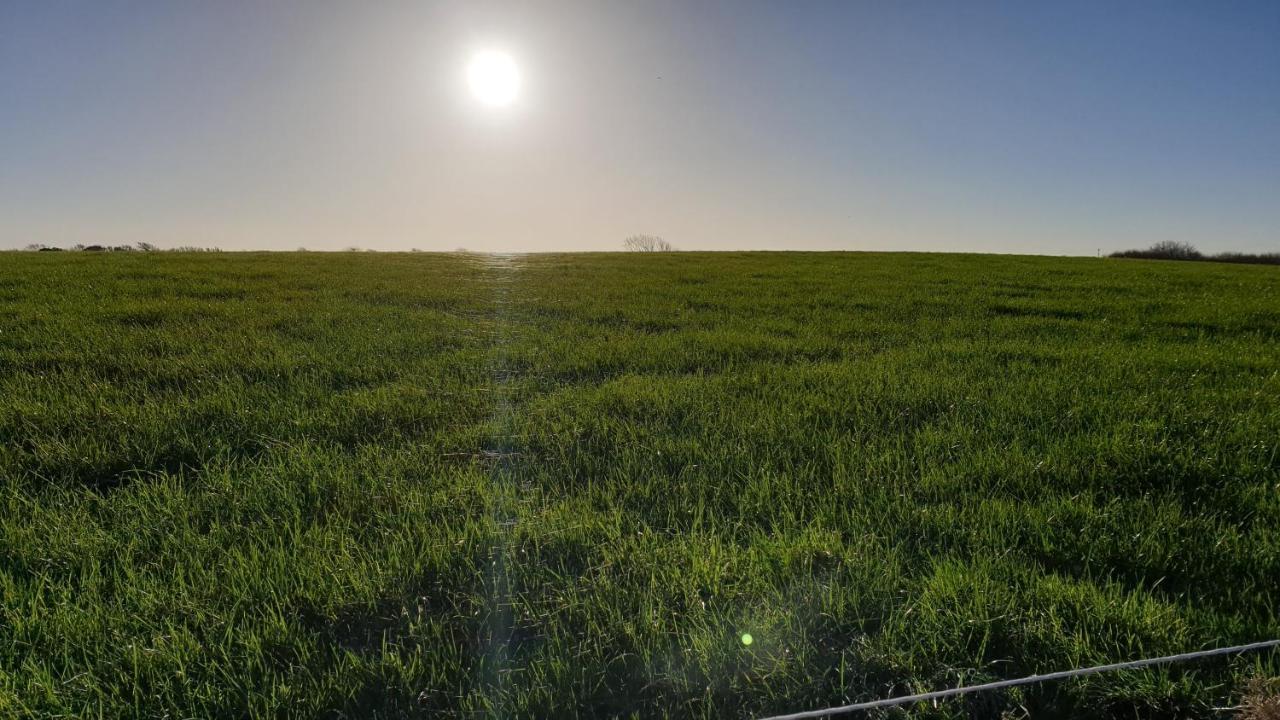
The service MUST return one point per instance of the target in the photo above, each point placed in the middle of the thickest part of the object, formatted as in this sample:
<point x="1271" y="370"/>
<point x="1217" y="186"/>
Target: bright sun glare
<point x="494" y="78"/>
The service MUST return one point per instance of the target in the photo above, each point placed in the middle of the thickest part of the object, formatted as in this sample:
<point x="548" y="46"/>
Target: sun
<point x="494" y="78"/>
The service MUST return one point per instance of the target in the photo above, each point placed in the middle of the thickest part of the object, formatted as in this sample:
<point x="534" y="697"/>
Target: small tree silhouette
<point x="647" y="243"/>
<point x="1175" y="250"/>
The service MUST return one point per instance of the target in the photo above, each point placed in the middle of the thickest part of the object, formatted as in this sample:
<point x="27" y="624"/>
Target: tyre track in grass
<point x="501" y="453"/>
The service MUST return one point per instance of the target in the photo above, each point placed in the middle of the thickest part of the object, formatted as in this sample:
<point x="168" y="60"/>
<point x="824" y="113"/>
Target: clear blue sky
<point x="1058" y="128"/>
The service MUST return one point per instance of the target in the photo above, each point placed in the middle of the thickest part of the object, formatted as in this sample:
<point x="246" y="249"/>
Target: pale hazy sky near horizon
<point x="1059" y="128"/>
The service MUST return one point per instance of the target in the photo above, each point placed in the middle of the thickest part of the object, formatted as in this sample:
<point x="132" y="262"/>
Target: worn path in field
<point x="501" y="453"/>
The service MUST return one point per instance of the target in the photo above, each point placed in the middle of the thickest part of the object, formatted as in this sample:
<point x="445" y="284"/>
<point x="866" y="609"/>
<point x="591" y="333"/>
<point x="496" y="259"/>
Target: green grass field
<point x="386" y="485"/>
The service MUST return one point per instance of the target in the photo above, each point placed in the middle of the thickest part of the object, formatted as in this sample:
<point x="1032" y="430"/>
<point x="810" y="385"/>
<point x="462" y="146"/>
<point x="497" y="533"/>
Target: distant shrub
<point x="50" y="248"/>
<point x="1165" y="250"/>
<point x="647" y="243"/>
<point x="94" y="248"/>
<point x="147" y="247"/>
<point x="1169" y="250"/>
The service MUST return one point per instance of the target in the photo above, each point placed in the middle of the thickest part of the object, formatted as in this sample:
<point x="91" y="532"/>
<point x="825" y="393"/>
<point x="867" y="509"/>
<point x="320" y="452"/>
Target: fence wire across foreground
<point x="1030" y="679"/>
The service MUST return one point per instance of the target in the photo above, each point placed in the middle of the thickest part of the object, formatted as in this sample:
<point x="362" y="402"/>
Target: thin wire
<point x="888" y="702"/>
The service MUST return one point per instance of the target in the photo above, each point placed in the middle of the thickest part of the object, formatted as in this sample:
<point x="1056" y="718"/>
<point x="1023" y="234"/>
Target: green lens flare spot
<point x="747" y="639"/>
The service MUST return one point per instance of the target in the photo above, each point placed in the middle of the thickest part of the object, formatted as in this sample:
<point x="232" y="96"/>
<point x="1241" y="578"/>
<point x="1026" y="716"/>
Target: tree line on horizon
<point x="1171" y="250"/>
<point x="138" y="247"/>
<point x="1164" y="250"/>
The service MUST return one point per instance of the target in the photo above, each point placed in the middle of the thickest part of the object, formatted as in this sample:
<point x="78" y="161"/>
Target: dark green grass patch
<point x="310" y="485"/>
